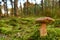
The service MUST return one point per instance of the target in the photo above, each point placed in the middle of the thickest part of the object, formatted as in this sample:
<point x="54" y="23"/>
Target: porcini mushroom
<point x="44" y="21"/>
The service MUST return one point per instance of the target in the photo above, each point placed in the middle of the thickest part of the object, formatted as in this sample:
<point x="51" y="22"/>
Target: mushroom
<point x="44" y="21"/>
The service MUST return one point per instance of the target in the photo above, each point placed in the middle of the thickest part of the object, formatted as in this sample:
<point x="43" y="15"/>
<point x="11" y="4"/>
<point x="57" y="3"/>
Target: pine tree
<point x="15" y="7"/>
<point x="59" y="3"/>
<point x="0" y="10"/>
<point x="5" y="7"/>
<point x="12" y="13"/>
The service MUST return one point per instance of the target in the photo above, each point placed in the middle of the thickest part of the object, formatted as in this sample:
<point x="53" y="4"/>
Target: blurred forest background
<point x="48" y="8"/>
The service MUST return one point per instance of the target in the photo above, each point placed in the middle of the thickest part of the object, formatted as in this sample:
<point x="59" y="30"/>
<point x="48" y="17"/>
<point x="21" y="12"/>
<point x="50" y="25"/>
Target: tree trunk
<point x="15" y="7"/>
<point x="5" y="7"/>
<point x="42" y="7"/>
<point x="12" y="13"/>
<point x="59" y="3"/>
<point x="0" y="10"/>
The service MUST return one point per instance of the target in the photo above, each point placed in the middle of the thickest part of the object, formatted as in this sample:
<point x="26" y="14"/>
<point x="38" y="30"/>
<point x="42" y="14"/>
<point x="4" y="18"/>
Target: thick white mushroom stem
<point x="43" y="30"/>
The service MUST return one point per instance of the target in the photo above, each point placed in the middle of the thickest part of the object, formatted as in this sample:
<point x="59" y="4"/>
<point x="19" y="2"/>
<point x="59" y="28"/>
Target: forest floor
<point x="26" y="29"/>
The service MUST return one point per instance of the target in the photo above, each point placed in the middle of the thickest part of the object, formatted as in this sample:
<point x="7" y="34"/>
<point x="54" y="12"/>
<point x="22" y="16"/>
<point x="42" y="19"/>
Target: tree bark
<point x="5" y="7"/>
<point x="12" y="13"/>
<point x="59" y="3"/>
<point x="42" y="7"/>
<point x="15" y="7"/>
<point x="0" y="10"/>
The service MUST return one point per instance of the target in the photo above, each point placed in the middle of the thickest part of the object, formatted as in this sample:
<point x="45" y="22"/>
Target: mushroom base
<point x="43" y="31"/>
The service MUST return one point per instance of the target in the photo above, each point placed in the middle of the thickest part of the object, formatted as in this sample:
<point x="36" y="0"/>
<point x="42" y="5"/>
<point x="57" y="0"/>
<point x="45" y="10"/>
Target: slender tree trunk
<point x="15" y="7"/>
<point x="35" y="8"/>
<point x="5" y="7"/>
<point x="42" y="7"/>
<point x="59" y="3"/>
<point x="0" y="10"/>
<point x="12" y="8"/>
<point x="20" y="9"/>
<point x="27" y="8"/>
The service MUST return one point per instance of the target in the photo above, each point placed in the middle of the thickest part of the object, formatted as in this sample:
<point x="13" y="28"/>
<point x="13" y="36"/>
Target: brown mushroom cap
<point x="44" y="20"/>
